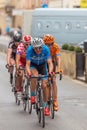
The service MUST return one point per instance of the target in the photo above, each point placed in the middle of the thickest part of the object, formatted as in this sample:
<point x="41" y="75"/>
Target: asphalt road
<point x="72" y="114"/>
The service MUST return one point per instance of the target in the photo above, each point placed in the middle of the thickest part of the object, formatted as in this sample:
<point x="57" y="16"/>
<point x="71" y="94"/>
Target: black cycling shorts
<point x="42" y="68"/>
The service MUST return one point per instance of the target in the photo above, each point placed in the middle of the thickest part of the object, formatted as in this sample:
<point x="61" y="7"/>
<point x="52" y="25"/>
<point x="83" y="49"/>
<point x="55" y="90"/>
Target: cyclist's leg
<point x="43" y="71"/>
<point x="12" y="62"/>
<point x="34" y="72"/>
<point x="45" y="90"/>
<point x="55" y="91"/>
<point x="19" y="79"/>
<point x="46" y="95"/>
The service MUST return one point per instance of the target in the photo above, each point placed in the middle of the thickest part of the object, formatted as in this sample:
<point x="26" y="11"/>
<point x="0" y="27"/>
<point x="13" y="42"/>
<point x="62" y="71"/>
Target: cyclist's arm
<point x="58" y="60"/>
<point x="58" y="57"/>
<point x="9" y="52"/>
<point x="50" y="65"/>
<point x="28" y="59"/>
<point x="28" y="66"/>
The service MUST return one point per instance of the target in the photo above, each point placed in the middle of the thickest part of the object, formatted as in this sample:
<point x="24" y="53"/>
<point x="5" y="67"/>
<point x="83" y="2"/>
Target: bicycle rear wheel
<point x="51" y="102"/>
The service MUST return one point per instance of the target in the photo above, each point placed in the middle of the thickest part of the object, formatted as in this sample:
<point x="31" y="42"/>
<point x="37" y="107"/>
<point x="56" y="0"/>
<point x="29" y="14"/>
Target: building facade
<point x="2" y="14"/>
<point x="11" y="10"/>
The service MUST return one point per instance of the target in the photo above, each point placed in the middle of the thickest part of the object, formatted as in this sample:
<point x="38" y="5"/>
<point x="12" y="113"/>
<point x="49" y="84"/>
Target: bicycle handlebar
<point x="44" y="76"/>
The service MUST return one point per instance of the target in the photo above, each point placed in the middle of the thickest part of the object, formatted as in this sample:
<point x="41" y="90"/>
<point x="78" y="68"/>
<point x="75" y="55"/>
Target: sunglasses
<point x="38" y="48"/>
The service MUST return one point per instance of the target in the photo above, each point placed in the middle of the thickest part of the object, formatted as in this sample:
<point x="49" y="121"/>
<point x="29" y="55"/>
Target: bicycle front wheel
<point x="52" y="109"/>
<point x="42" y="118"/>
<point x="29" y="99"/>
<point x="42" y="109"/>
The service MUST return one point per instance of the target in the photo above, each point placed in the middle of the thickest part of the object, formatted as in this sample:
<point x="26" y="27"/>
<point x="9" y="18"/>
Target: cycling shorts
<point x="42" y="69"/>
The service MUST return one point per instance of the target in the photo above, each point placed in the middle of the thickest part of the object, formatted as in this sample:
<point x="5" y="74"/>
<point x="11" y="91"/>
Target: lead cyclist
<point x="38" y="56"/>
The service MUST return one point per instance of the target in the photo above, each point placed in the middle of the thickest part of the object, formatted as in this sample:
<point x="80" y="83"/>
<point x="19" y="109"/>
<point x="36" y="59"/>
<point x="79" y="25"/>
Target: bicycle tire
<point x="29" y="98"/>
<point x="14" y="84"/>
<point x="38" y="111"/>
<point x="16" y="99"/>
<point x="36" y="106"/>
<point x="24" y="96"/>
<point x="37" y="101"/>
<point x="52" y="109"/>
<point x="51" y="105"/>
<point x="18" y="102"/>
<point x="42" y="118"/>
<point x="24" y="105"/>
<point x="29" y="107"/>
<point x="42" y="109"/>
<point x="60" y="76"/>
<point x="39" y="116"/>
<point x="11" y="78"/>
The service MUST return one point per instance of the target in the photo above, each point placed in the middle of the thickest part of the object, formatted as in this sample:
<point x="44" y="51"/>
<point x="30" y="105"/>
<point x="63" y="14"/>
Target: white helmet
<point x="37" y="42"/>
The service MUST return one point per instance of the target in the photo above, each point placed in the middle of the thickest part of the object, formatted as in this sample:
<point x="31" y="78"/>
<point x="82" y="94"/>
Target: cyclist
<point x="38" y="56"/>
<point x="21" y="60"/>
<point x="11" y="52"/>
<point x="49" y="40"/>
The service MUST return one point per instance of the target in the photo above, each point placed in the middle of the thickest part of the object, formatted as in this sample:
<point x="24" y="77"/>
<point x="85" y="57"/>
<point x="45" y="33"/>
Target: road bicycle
<point x="39" y="105"/>
<point x="51" y="99"/>
<point x="40" y="100"/>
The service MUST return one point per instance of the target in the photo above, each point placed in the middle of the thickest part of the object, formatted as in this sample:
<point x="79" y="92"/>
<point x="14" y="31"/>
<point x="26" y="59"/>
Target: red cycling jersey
<point x="21" y="50"/>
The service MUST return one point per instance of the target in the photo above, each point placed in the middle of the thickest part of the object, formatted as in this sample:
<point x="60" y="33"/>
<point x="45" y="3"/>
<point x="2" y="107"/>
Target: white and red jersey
<point x="21" y="50"/>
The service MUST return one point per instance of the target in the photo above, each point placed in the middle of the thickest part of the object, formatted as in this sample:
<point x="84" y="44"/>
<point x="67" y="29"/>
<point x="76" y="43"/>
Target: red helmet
<point x="27" y="38"/>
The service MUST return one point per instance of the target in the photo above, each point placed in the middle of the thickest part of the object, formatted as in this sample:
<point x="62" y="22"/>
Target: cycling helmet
<point x="37" y="42"/>
<point x="17" y="36"/>
<point x="27" y="39"/>
<point x="48" y="39"/>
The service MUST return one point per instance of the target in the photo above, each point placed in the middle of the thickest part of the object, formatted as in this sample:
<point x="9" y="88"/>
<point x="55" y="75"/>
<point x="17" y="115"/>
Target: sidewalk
<point x="4" y="41"/>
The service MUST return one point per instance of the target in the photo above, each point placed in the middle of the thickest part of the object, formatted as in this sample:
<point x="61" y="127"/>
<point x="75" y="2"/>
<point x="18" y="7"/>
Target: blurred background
<point x="11" y="10"/>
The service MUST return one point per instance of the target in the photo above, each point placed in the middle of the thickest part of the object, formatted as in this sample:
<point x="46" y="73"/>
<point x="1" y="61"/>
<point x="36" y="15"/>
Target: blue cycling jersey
<point x="38" y="58"/>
